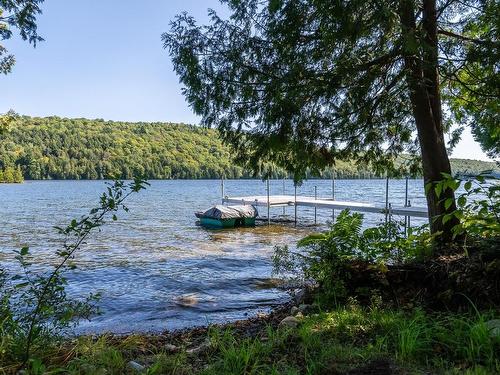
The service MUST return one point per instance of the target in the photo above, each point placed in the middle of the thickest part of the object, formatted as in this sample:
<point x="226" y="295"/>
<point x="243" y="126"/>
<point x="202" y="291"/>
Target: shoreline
<point x="195" y="335"/>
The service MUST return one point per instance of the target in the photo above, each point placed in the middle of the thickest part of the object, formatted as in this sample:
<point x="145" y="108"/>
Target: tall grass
<point x="337" y="340"/>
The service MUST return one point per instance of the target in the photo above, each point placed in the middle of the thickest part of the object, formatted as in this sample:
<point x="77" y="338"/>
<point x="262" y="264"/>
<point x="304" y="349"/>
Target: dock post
<point x="406" y="205"/>
<point x="388" y="230"/>
<point x="222" y="187"/>
<point x="386" y="198"/>
<point x="295" y="203"/>
<point x="333" y="194"/>
<point x="315" y="198"/>
<point x="409" y="217"/>
<point x="268" y="208"/>
<point x="284" y="209"/>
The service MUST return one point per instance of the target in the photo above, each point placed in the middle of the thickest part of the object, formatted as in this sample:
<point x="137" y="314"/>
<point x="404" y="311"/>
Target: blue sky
<point x="104" y="59"/>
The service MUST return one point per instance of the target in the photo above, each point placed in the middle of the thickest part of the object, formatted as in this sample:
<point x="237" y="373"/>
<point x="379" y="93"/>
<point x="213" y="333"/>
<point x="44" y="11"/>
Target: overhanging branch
<point x="467" y="39"/>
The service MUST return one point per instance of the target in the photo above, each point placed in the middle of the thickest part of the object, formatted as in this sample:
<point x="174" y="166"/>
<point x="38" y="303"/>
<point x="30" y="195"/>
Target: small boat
<point x="228" y="216"/>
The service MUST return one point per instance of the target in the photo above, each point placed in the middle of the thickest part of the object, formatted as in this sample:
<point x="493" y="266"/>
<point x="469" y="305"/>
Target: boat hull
<point x="227" y="223"/>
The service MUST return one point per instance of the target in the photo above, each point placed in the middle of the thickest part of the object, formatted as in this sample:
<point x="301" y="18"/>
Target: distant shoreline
<point x="54" y="148"/>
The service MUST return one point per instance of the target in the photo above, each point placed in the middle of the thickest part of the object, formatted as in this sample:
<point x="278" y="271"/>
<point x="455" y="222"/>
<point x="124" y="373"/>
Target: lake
<point x="155" y="268"/>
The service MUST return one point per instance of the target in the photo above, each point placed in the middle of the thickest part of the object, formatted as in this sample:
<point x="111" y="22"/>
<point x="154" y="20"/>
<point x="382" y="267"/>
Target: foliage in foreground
<point x="19" y="15"/>
<point x="343" y="334"/>
<point x="478" y="207"/>
<point x="334" y="259"/>
<point x="332" y="341"/>
<point x="349" y="261"/>
<point x="35" y="310"/>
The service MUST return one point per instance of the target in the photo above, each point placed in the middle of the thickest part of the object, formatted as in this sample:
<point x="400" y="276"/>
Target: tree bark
<point x="421" y="64"/>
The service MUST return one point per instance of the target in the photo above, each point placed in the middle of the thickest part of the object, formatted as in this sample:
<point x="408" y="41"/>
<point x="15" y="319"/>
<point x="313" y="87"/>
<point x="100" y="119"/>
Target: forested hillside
<point x="59" y="148"/>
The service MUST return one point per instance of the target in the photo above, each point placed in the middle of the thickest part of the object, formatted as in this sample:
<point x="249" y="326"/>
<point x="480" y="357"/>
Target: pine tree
<point x="304" y="83"/>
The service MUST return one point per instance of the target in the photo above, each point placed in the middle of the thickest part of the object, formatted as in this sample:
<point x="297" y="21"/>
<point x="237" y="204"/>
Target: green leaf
<point x="21" y="285"/>
<point x="461" y="201"/>
<point x="24" y="250"/>
<point x="438" y="189"/>
<point x="468" y="185"/>
<point x="447" y="218"/>
<point x="428" y="187"/>
<point x="448" y="202"/>
<point x="311" y="239"/>
<point x="274" y="6"/>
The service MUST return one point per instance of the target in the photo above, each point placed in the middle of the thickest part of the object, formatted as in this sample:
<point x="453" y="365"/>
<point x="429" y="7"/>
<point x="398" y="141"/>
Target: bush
<point x="34" y="307"/>
<point x="332" y="258"/>
<point x="478" y="209"/>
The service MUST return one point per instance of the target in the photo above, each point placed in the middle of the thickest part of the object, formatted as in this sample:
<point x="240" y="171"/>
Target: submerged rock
<point x="187" y="300"/>
<point x="289" y="321"/>
<point x="270" y="283"/>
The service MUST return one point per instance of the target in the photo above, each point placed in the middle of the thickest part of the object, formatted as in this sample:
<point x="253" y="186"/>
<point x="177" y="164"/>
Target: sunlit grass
<point x="337" y="340"/>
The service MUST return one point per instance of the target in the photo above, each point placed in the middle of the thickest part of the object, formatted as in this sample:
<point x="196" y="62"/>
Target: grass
<point x="334" y="341"/>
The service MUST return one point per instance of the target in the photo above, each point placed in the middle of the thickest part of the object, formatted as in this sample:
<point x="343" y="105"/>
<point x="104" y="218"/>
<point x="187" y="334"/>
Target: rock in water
<point x="294" y="310"/>
<point x="187" y="300"/>
<point x="290" y="322"/>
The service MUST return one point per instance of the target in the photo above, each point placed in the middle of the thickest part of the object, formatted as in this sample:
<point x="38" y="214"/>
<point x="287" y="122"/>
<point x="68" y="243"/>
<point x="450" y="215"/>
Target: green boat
<point x="228" y="216"/>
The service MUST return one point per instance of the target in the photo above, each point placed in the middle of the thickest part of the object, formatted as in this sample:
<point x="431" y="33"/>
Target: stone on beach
<point x="493" y="327"/>
<point x="171" y="348"/>
<point x="203" y="347"/>
<point x="290" y="322"/>
<point x="305" y="308"/>
<point x="136" y="366"/>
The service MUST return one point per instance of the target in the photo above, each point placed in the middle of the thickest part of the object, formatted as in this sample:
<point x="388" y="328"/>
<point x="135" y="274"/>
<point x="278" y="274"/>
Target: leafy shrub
<point x="478" y="207"/>
<point x="331" y="258"/>
<point x="34" y="306"/>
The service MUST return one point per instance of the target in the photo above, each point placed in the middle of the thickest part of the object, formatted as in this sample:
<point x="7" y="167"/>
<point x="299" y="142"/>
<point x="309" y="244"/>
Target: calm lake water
<point x="155" y="268"/>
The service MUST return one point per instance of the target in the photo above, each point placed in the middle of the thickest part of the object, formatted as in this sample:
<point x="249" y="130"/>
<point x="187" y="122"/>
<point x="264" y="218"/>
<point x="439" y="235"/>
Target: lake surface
<point x="155" y="268"/>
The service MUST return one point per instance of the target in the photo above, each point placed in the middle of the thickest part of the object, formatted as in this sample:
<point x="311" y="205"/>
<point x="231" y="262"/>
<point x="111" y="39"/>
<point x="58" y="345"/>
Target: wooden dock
<point x="325" y="203"/>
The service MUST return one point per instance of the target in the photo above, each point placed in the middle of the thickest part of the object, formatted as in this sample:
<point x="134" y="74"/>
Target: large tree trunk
<point x="423" y="82"/>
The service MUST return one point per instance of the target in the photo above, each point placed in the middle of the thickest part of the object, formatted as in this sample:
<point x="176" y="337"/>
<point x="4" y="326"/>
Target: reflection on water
<point x="155" y="268"/>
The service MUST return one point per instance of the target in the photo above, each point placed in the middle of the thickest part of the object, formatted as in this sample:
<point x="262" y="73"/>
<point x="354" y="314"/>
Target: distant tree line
<point x="11" y="175"/>
<point x="60" y="148"/>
